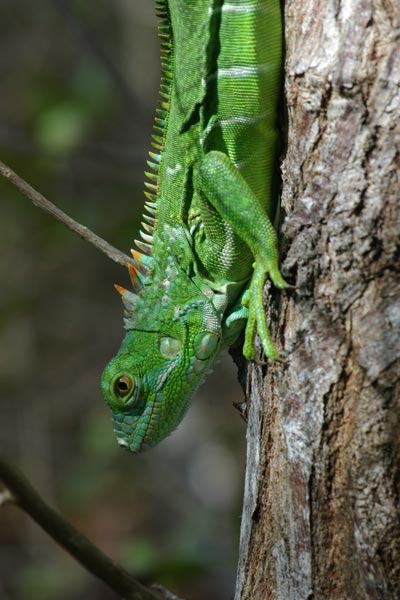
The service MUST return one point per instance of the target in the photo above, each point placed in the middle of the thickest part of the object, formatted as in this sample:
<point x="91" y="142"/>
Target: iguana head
<point x="173" y="335"/>
<point x="149" y="383"/>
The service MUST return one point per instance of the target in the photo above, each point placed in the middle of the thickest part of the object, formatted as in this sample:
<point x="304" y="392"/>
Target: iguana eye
<point x="123" y="386"/>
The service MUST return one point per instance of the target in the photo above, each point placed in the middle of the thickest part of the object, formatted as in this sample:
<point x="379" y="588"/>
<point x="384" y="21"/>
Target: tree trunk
<point x="322" y="509"/>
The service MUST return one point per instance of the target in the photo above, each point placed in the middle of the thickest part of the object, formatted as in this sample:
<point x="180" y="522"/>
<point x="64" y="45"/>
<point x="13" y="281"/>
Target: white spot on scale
<point x="175" y="169"/>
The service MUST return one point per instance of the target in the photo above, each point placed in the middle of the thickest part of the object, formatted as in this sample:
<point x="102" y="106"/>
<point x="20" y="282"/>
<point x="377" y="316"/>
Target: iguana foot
<point x="256" y="321"/>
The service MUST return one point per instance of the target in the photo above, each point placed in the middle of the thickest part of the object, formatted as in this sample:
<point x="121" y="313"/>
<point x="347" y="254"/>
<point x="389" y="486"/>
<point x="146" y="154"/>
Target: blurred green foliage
<point x="79" y="83"/>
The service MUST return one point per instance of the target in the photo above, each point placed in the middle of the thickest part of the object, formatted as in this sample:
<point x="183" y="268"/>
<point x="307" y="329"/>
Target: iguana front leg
<point x="225" y="188"/>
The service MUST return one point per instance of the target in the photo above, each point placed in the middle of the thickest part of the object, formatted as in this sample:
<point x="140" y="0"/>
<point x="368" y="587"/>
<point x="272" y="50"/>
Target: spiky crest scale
<point x="149" y="220"/>
<point x="150" y="205"/>
<point x="144" y="247"/>
<point x="133" y="274"/>
<point x="142" y="269"/>
<point x="121" y="290"/>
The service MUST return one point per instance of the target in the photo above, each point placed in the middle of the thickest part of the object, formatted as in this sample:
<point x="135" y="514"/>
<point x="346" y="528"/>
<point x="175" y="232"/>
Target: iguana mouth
<point x="122" y="436"/>
<point x="123" y="443"/>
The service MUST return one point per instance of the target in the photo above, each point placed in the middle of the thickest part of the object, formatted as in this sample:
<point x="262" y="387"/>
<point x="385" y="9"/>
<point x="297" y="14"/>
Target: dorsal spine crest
<point x="160" y="125"/>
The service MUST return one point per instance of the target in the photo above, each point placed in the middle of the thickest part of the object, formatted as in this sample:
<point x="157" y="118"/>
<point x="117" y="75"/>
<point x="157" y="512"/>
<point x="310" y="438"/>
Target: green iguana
<point x="208" y="245"/>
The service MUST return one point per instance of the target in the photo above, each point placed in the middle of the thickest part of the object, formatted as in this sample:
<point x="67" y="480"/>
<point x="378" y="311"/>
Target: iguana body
<point x="209" y="245"/>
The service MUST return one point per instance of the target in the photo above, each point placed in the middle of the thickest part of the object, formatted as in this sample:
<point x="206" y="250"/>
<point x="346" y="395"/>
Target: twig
<point x="21" y="492"/>
<point x="41" y="202"/>
<point x="166" y="593"/>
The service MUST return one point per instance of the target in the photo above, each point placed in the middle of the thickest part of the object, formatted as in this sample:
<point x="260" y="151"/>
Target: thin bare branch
<point x="89" y="556"/>
<point x="41" y="202"/>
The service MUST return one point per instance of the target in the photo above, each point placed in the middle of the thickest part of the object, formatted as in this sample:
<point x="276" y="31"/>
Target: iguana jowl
<point x="208" y="242"/>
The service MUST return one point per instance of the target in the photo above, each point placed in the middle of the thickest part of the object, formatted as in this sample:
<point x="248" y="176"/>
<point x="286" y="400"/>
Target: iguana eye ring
<point x="123" y="386"/>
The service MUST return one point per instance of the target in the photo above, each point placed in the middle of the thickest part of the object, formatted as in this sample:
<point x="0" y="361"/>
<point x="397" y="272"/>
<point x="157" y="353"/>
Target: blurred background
<point x="79" y="84"/>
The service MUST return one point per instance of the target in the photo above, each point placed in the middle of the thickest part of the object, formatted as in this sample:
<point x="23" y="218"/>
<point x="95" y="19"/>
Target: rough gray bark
<point x="322" y="501"/>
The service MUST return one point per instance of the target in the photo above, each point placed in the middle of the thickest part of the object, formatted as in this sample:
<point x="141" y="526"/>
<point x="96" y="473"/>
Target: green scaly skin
<point x="210" y="245"/>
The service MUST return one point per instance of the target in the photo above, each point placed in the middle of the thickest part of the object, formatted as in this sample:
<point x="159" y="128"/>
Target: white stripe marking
<point x="242" y="120"/>
<point x="239" y="8"/>
<point x="240" y="71"/>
